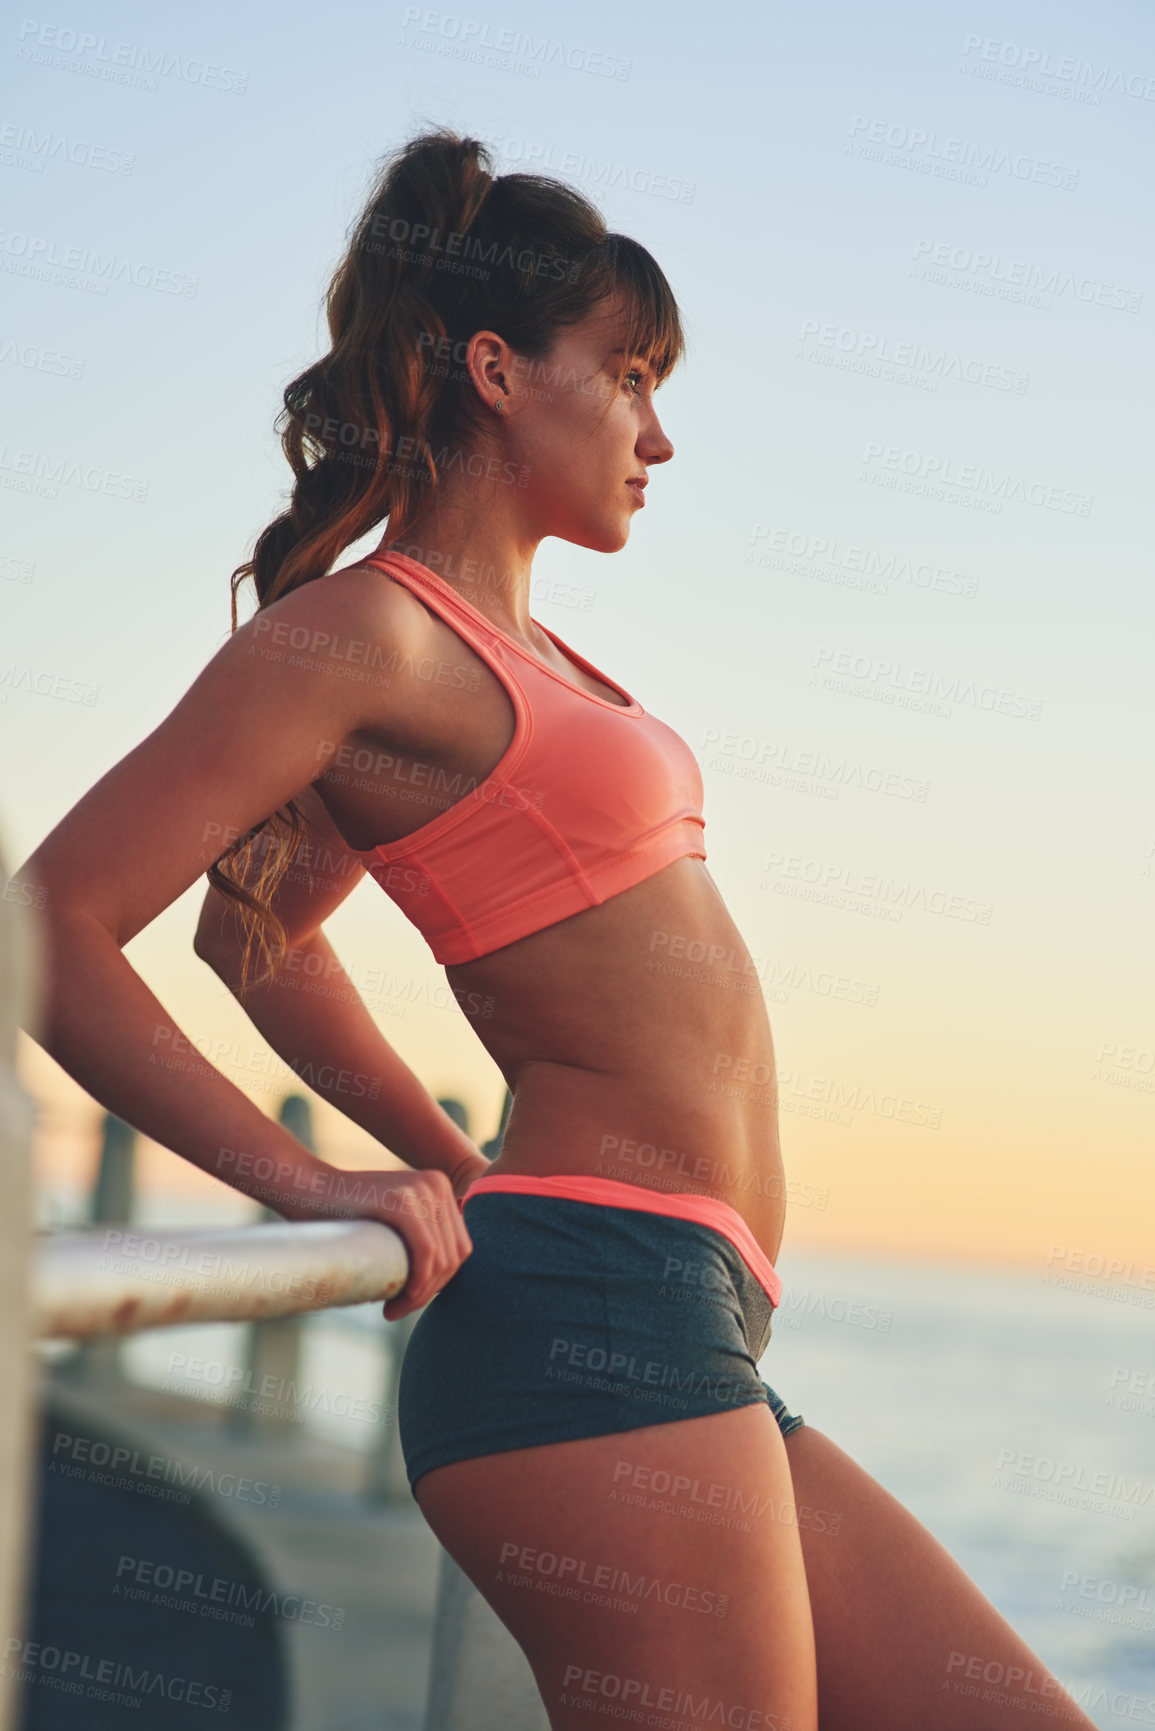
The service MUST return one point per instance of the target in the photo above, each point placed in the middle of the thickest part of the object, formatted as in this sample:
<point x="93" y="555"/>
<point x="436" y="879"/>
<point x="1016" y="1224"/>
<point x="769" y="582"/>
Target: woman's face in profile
<point x="582" y="436"/>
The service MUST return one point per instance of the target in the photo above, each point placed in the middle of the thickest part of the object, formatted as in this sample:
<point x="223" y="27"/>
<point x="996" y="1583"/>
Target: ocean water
<point x="998" y="1407"/>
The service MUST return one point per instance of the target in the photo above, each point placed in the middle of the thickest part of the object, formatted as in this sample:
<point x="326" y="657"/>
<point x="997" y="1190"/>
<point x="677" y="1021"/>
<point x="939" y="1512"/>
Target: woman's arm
<point x="246" y="737"/>
<point x="328" y="1036"/>
<point x="336" y="1048"/>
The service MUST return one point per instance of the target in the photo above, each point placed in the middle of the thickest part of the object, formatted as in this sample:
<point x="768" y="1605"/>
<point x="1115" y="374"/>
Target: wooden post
<point x="273" y="1347"/>
<point x="479" y="1678"/>
<point x="111" y="1202"/>
<point x="113" y="1193"/>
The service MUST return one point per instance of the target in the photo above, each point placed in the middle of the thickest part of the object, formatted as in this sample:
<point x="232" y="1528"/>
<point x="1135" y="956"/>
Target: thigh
<point x="904" y="1640"/>
<point x="657" y="1569"/>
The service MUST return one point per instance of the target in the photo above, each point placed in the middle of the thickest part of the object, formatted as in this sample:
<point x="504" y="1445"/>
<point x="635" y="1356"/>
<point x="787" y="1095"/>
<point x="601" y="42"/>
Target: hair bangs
<point x="653" y="325"/>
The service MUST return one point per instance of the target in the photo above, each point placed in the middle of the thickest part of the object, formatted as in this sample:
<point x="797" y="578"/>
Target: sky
<point x="893" y="587"/>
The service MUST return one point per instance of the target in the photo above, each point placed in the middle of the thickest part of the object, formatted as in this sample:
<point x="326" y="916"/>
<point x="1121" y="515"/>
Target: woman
<point x="582" y="1420"/>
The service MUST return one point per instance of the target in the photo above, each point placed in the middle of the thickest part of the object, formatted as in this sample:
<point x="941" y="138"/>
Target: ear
<point x="489" y="360"/>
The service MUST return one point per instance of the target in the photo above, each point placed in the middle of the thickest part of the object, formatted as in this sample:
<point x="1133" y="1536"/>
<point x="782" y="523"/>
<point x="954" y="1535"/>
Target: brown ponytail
<point x="442" y="249"/>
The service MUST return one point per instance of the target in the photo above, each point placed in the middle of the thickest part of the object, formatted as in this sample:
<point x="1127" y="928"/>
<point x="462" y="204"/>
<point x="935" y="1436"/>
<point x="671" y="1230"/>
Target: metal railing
<point x="120" y="1278"/>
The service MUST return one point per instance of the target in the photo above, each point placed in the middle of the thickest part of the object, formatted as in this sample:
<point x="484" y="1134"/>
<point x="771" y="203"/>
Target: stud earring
<point x="500" y="403"/>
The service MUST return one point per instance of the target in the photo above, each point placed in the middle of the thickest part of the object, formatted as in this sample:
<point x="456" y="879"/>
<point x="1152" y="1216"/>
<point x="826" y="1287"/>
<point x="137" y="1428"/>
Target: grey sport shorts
<point x="577" y="1318"/>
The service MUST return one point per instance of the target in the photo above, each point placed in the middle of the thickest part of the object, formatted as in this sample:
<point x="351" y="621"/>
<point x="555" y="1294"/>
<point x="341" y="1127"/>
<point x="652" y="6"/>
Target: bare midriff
<point x="635" y="1040"/>
<point x="633" y="1035"/>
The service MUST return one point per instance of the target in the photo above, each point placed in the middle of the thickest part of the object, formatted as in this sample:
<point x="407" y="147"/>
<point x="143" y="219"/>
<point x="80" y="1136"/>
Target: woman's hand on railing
<point x="421" y="1207"/>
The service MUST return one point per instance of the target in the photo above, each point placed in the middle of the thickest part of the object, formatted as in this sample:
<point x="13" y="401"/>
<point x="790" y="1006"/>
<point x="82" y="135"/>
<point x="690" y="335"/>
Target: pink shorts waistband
<point x="612" y="1193"/>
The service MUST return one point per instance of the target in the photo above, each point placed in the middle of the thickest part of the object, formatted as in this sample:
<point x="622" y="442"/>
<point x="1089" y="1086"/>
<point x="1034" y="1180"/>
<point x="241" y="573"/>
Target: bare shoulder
<point x="334" y="614"/>
<point x="369" y="619"/>
<point x="253" y="730"/>
<point x="366" y="592"/>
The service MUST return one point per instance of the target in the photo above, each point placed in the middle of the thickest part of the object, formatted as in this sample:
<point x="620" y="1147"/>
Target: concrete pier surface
<point x="343" y="1623"/>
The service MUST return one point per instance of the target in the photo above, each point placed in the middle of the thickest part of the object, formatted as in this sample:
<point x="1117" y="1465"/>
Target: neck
<point x="479" y="544"/>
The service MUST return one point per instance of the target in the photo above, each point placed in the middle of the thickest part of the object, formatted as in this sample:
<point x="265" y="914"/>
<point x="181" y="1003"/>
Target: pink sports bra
<point x="590" y="798"/>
